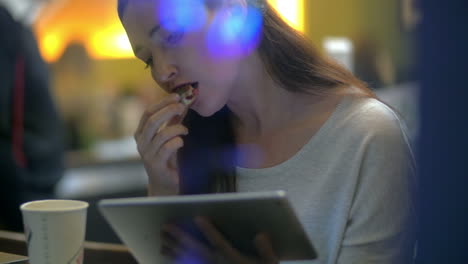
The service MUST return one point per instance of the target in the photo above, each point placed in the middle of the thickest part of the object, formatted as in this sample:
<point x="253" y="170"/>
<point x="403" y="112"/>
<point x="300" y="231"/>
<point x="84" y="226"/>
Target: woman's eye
<point x="174" y="38"/>
<point x="149" y="63"/>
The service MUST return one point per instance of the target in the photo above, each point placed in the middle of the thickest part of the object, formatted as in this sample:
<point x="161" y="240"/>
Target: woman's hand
<point x="158" y="138"/>
<point x="180" y="246"/>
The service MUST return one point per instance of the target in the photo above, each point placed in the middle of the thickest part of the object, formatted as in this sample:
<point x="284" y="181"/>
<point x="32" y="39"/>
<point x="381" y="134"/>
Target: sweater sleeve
<point x="380" y="226"/>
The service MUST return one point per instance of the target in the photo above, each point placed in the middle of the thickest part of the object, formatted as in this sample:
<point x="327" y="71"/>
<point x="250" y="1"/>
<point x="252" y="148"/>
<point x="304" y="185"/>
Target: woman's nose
<point x="165" y="73"/>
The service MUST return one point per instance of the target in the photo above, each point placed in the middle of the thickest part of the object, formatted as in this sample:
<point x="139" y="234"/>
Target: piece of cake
<point x="187" y="94"/>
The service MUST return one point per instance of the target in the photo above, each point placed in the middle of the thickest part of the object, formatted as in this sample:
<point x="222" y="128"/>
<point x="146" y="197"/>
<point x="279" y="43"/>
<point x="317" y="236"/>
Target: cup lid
<point x="54" y="206"/>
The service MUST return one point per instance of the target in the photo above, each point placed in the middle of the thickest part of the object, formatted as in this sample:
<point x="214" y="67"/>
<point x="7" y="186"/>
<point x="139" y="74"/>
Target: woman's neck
<point x="260" y="105"/>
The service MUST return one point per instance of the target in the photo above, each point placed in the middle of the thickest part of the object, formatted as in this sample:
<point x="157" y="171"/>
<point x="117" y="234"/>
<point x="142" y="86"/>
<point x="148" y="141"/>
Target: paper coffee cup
<point x="55" y="231"/>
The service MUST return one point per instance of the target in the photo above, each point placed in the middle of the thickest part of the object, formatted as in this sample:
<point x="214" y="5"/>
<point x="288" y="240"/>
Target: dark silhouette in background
<point x="31" y="147"/>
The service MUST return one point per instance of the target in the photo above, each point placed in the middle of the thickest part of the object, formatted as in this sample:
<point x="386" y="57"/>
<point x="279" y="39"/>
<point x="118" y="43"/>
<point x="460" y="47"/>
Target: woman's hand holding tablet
<point x="180" y="245"/>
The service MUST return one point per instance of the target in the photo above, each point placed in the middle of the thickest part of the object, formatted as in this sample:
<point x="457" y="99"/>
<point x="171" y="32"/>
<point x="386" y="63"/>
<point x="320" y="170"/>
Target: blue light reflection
<point x="235" y="36"/>
<point x="187" y="259"/>
<point x="182" y="15"/>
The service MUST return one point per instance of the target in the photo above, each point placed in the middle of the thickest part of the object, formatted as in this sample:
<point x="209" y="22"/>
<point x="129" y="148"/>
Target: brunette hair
<point x="207" y="160"/>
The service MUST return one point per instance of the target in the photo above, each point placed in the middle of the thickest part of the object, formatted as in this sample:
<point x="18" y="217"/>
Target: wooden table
<point x="94" y="253"/>
<point x="7" y="258"/>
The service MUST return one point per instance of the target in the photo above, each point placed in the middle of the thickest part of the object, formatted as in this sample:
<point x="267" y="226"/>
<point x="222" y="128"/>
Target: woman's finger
<point x="190" y="245"/>
<point x="169" y="252"/>
<point x="216" y="239"/>
<point x="178" y="255"/>
<point x="179" y="118"/>
<point x="167" y="134"/>
<point x="163" y="154"/>
<point x="180" y="246"/>
<point x="168" y="240"/>
<point x="265" y="249"/>
<point x="176" y="249"/>
<point x="170" y="246"/>
<point x="173" y="98"/>
<point x="157" y="120"/>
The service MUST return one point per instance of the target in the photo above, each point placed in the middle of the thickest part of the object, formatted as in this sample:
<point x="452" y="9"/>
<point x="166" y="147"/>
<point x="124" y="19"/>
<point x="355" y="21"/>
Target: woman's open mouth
<point x="188" y="93"/>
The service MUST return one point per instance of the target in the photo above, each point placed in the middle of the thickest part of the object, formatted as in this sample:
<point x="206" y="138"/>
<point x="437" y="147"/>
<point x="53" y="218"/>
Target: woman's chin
<point x="203" y="110"/>
<point x="203" y="113"/>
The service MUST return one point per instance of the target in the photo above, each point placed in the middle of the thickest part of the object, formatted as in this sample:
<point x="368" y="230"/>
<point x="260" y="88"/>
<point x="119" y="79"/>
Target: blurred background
<point x="100" y="90"/>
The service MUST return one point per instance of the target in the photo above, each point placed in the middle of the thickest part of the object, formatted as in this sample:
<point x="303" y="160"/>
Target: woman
<point x="269" y="114"/>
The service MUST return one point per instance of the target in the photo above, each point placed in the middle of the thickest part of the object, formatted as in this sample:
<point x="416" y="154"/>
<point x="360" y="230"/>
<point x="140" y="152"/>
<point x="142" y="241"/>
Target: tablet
<point x="238" y="216"/>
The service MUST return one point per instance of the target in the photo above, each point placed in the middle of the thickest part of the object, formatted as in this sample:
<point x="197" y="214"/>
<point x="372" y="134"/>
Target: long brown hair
<point x="207" y="161"/>
<point x="292" y="60"/>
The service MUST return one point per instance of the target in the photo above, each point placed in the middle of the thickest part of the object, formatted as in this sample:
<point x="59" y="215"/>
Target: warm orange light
<point x="52" y="46"/>
<point x="292" y="11"/>
<point x="107" y="39"/>
<point x="110" y="43"/>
